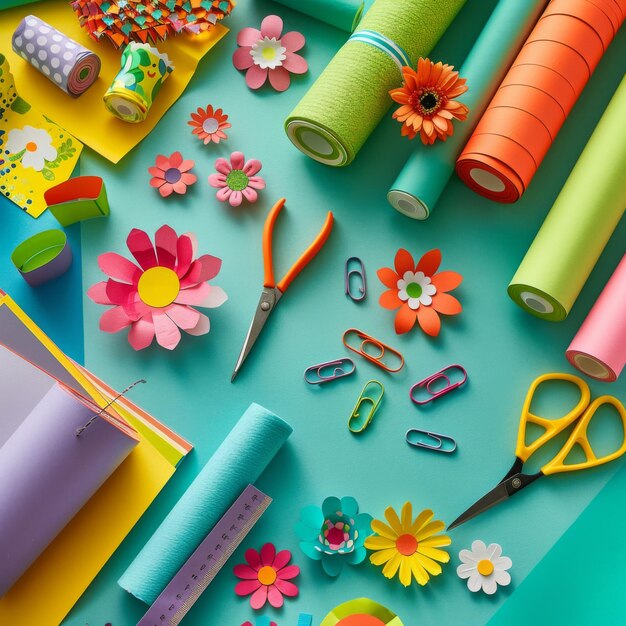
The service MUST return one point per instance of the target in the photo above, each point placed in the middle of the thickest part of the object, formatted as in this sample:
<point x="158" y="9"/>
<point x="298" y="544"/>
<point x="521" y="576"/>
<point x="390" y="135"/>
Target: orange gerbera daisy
<point x="418" y="292"/>
<point x="209" y="124"/>
<point x="427" y="99"/>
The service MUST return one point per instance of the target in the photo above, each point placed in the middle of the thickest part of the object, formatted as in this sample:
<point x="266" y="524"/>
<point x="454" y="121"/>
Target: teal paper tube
<point x="425" y="175"/>
<point x="344" y="14"/>
<point x="239" y="461"/>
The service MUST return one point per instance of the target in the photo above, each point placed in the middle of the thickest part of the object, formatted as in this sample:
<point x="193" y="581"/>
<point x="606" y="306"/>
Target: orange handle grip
<point x="308" y="254"/>
<point x="268" y="230"/>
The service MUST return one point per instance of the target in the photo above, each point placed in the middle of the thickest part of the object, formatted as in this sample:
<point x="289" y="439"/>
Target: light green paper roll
<point x="345" y="104"/>
<point x="344" y="14"/>
<point x="580" y="222"/>
<point x="428" y="169"/>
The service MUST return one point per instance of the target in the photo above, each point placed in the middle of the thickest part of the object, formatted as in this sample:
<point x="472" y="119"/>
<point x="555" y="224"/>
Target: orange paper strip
<point x="589" y="13"/>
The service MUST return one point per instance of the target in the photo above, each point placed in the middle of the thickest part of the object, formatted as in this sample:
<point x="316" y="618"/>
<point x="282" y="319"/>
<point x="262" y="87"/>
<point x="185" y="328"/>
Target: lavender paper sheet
<point x="47" y="474"/>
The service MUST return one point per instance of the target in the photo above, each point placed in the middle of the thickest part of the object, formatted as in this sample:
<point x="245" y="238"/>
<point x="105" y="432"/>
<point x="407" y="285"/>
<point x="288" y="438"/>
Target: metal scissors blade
<point x="502" y="491"/>
<point x="268" y="301"/>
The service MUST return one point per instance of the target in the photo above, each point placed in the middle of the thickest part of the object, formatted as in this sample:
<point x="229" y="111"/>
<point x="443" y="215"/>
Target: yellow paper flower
<point x="408" y="545"/>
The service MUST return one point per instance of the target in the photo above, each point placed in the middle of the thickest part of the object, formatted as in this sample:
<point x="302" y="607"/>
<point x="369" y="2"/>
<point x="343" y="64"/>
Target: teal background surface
<point x="502" y="348"/>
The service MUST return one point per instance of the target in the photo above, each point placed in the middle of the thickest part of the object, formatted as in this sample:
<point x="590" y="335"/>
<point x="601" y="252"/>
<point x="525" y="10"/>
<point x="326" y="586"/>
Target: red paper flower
<point x="418" y="292"/>
<point x="266" y="577"/>
<point x="171" y="174"/>
<point x="209" y="125"/>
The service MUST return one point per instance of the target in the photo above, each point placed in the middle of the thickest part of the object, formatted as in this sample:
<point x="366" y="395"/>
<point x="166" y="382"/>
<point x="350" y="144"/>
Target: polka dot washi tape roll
<point x="68" y="64"/>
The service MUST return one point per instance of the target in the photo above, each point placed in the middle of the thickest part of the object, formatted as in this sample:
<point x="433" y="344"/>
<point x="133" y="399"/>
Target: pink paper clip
<point x="428" y="384"/>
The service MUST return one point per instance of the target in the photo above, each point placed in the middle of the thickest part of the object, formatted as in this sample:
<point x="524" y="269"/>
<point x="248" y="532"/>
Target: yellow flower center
<point x="31" y="146"/>
<point x="158" y="286"/>
<point x="267" y="575"/>
<point x="485" y="567"/>
<point x="406" y="544"/>
<point x="269" y="53"/>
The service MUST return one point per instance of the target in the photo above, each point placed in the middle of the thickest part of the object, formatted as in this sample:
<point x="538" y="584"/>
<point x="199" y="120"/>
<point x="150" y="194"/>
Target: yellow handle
<point x="579" y="436"/>
<point x="552" y="426"/>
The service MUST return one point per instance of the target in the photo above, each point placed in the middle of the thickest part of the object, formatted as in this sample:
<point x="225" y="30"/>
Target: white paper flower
<point x="415" y="288"/>
<point x="36" y="144"/>
<point x="484" y="567"/>
<point x="268" y="53"/>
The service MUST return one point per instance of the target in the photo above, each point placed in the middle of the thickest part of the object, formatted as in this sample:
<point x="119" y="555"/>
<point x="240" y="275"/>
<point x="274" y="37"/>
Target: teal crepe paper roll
<point x="239" y="461"/>
<point x="427" y="171"/>
<point x="350" y="97"/>
<point x="344" y="14"/>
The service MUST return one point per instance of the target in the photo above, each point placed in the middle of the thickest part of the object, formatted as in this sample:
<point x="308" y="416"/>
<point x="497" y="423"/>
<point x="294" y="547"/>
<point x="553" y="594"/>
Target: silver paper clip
<point x="339" y="370"/>
<point x="362" y="288"/>
<point x="106" y="406"/>
<point x="428" y="384"/>
<point x="420" y="439"/>
<point x="375" y="402"/>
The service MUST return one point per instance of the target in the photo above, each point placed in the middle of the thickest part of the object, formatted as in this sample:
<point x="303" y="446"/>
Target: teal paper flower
<point x="334" y="534"/>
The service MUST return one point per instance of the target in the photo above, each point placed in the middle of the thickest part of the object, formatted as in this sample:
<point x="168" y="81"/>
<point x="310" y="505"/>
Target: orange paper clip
<point x="376" y="359"/>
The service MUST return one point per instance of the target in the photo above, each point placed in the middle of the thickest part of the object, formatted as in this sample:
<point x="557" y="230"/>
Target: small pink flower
<point x="236" y="180"/>
<point x="266" y="577"/>
<point x="265" y="53"/>
<point x="171" y="174"/>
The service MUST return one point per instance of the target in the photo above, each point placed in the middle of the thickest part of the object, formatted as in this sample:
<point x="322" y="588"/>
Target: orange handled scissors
<point x="581" y="415"/>
<point x="272" y="292"/>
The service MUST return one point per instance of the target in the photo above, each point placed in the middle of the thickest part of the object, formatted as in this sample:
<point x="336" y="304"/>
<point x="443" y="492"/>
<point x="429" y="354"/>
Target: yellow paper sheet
<point x="49" y="589"/>
<point x="86" y="117"/>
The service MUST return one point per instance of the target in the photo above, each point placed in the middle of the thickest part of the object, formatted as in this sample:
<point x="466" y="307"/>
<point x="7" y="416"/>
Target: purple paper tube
<point x="48" y="473"/>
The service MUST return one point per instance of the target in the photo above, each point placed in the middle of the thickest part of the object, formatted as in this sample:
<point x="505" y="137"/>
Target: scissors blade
<point x="268" y="301"/>
<point x="498" y="494"/>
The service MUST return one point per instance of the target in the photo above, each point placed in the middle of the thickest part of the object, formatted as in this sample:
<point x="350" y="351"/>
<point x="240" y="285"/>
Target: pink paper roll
<point x="599" y="347"/>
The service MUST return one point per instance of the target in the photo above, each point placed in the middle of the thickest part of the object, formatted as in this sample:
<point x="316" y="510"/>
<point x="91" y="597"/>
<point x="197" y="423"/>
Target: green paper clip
<point x="77" y="199"/>
<point x="375" y="402"/>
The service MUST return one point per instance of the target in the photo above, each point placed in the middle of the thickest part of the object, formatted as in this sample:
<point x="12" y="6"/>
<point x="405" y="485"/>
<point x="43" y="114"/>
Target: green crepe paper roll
<point x="426" y="173"/>
<point x="580" y="222"/>
<point x="239" y="461"/>
<point x="344" y="14"/>
<point x="350" y="97"/>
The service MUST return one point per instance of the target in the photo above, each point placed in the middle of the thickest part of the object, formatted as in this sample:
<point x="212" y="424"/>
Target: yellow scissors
<point x="581" y="415"/>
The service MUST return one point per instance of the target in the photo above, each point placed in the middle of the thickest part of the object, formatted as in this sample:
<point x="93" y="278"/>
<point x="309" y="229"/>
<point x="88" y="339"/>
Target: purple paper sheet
<point x="47" y="474"/>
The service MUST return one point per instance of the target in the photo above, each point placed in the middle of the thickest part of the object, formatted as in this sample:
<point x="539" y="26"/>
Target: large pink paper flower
<point x="237" y="180"/>
<point x="266" y="577"/>
<point x="156" y="298"/>
<point x="265" y="53"/>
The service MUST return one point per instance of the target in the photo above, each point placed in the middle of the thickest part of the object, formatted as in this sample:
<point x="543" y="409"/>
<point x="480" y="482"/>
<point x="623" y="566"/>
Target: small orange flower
<point x="418" y="292"/>
<point x="209" y="125"/>
<point x="427" y="99"/>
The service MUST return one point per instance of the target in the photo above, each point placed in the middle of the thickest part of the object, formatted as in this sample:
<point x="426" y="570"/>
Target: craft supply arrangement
<point x="147" y="150"/>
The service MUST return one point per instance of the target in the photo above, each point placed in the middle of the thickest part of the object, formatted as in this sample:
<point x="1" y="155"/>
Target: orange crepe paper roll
<point x="522" y="128"/>
<point x="547" y="80"/>
<point x="506" y="184"/>
<point x="563" y="59"/>
<point x="571" y="32"/>
<point x="587" y="12"/>
<point x="611" y="10"/>
<point x="534" y="101"/>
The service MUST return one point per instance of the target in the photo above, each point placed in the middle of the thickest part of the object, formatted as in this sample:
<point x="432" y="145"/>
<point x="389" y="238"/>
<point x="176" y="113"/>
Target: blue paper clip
<point x="339" y="371"/>
<point x="442" y="443"/>
<point x="362" y="289"/>
<point x="375" y="402"/>
<point x="427" y="384"/>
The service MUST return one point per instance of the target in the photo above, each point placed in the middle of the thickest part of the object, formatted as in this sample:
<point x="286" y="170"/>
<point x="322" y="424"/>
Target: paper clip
<point x="413" y="439"/>
<point x="372" y="358"/>
<point x="362" y="289"/>
<point x="339" y="370"/>
<point x="375" y="402"/>
<point x="428" y="384"/>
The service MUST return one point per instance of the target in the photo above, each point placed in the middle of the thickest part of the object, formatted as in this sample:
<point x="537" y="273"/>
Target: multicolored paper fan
<point x="121" y="21"/>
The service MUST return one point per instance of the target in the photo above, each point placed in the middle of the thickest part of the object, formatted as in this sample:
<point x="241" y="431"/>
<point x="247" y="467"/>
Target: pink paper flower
<point x="171" y="174"/>
<point x="265" y="53"/>
<point x="266" y="577"/>
<point x="156" y="298"/>
<point x="236" y="180"/>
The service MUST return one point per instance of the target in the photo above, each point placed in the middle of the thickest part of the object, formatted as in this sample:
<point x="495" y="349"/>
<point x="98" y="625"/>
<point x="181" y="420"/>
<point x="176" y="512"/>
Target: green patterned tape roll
<point x="579" y="224"/>
<point x="345" y="104"/>
<point x="428" y="169"/>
